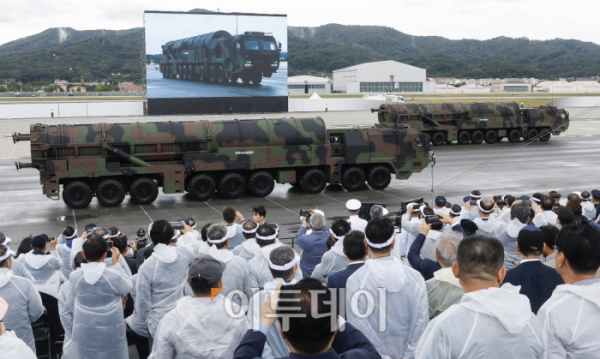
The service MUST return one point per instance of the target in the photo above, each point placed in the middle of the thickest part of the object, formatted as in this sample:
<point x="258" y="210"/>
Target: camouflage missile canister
<point x="477" y="122"/>
<point x="200" y="157"/>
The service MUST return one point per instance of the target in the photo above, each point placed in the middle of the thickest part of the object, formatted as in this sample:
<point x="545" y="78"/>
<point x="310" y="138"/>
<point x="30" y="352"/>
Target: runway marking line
<point x="151" y="220"/>
<point x="216" y="210"/>
<point x="287" y="209"/>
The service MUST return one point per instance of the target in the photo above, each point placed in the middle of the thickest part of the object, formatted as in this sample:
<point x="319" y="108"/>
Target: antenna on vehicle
<point x="432" y="163"/>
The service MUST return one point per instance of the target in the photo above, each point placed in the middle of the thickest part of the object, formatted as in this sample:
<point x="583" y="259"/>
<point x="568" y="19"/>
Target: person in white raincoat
<point x="65" y="242"/>
<point x="44" y="268"/>
<point x="334" y="260"/>
<point x="258" y="267"/>
<point x="587" y="207"/>
<point x="202" y="327"/>
<point x="235" y="277"/>
<point x="24" y="300"/>
<point x="98" y="326"/>
<point x="11" y="346"/>
<point x="486" y="222"/>
<point x="386" y="300"/>
<point x="570" y="317"/>
<point x="66" y="302"/>
<point x="17" y="267"/>
<point x="190" y="238"/>
<point x="283" y="264"/>
<point x="248" y="249"/>
<point x="77" y="246"/>
<point x="161" y="279"/>
<point x="507" y="232"/>
<point x="140" y="330"/>
<point x="489" y="322"/>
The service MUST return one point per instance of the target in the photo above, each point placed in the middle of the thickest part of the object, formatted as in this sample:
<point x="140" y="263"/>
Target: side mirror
<point x="279" y="45"/>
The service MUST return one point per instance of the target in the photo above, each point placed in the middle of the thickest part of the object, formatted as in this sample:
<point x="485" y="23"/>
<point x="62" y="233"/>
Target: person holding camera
<point x="236" y="235"/>
<point x="97" y="291"/>
<point x="426" y="266"/>
<point x="313" y="245"/>
<point x="65" y="242"/>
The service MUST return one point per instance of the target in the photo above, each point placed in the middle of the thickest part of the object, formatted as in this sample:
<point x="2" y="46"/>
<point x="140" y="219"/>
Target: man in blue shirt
<point x="313" y="245"/>
<point x="356" y="251"/>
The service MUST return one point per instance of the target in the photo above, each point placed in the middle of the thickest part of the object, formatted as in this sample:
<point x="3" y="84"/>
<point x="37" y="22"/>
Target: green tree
<point x="78" y="89"/>
<point x="12" y="88"/>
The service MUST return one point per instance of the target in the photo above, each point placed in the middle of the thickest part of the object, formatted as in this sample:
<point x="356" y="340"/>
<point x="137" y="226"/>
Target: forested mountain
<point x="316" y="49"/>
<point x="95" y="54"/>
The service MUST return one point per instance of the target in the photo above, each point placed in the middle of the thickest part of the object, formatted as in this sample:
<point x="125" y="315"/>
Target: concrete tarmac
<point x="565" y="164"/>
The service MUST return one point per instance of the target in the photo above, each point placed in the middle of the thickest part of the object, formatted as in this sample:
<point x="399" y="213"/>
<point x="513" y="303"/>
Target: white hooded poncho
<point x="571" y="320"/>
<point x="45" y="269"/>
<point x="13" y="347"/>
<point x="199" y="328"/>
<point x="235" y="276"/>
<point x="399" y="316"/>
<point x="489" y="323"/>
<point x="247" y="250"/>
<point x="260" y="274"/>
<point x="333" y="261"/>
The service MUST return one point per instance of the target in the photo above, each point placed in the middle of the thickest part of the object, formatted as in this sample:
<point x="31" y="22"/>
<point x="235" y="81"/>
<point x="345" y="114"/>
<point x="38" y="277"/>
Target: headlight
<point x="248" y="64"/>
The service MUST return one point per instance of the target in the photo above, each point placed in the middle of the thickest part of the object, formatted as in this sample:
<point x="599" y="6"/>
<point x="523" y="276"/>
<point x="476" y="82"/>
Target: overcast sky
<point x="454" y="19"/>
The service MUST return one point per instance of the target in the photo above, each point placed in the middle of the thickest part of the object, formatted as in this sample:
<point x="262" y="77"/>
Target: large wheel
<point x="491" y="136"/>
<point x="379" y="177"/>
<point x="190" y="73"/>
<point x="313" y="181"/>
<point x="202" y="75"/>
<point x="163" y="69"/>
<point x="546" y="134"/>
<point x="438" y="139"/>
<point x="170" y="75"/>
<point x="143" y="191"/>
<point x="232" y="185"/>
<point x="261" y="184"/>
<point x="202" y="187"/>
<point x="246" y="80"/>
<point x="464" y="138"/>
<point x="77" y="194"/>
<point x="514" y="136"/>
<point x="257" y="79"/>
<point x="183" y="73"/>
<point x="221" y="80"/>
<point x="532" y="134"/>
<point x="477" y="137"/>
<point x="110" y="192"/>
<point x="353" y="179"/>
<point x="212" y="75"/>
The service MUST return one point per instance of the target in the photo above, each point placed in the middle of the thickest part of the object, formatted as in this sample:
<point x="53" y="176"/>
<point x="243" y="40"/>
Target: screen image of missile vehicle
<point x="109" y="161"/>
<point x="477" y="122"/>
<point x="220" y="58"/>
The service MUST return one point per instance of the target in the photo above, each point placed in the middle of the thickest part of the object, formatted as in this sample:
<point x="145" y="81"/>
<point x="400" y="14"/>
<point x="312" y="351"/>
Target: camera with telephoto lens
<point x="305" y="213"/>
<point x="432" y="219"/>
<point x="499" y="201"/>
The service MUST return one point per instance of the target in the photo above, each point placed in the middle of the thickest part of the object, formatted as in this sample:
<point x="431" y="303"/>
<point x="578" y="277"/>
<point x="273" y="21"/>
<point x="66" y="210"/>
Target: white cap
<point x="353" y="204"/>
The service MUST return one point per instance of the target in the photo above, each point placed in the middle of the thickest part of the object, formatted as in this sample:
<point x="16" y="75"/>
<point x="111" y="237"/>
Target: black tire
<point x="221" y="80"/>
<point x="491" y="137"/>
<point x="110" y="192"/>
<point x="170" y="72"/>
<point x="438" y="139"/>
<point x="353" y="179"/>
<point x="546" y="135"/>
<point x="257" y="79"/>
<point x="212" y="74"/>
<point x="246" y="80"/>
<point x="379" y="177"/>
<point x="313" y="181"/>
<point x="202" y="75"/>
<point x="143" y="191"/>
<point x="234" y="80"/>
<point x="261" y="184"/>
<point x="464" y="138"/>
<point x="190" y="73"/>
<point x="514" y="136"/>
<point x="77" y="194"/>
<point x="232" y="185"/>
<point x="163" y="69"/>
<point x="179" y="73"/>
<point x="183" y="73"/>
<point x="532" y="134"/>
<point x="477" y="137"/>
<point x="202" y="187"/>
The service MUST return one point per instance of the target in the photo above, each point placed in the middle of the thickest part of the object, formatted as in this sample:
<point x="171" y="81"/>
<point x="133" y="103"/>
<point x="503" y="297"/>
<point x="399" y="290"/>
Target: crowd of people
<point x="496" y="276"/>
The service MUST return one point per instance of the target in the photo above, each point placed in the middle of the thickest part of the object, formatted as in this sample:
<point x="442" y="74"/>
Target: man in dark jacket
<point x="356" y="252"/>
<point x="427" y="266"/>
<point x="310" y="330"/>
<point x="537" y="281"/>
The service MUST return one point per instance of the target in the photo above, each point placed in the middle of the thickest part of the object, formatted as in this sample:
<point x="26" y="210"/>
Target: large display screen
<point x="199" y="63"/>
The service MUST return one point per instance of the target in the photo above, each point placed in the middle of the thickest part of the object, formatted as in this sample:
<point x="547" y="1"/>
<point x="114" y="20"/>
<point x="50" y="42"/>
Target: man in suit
<point x="537" y="281"/>
<point x="426" y="266"/>
<point x="356" y="252"/>
<point x="308" y="328"/>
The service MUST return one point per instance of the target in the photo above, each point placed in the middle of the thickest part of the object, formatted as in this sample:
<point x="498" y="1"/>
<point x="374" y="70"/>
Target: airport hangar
<point x="381" y="76"/>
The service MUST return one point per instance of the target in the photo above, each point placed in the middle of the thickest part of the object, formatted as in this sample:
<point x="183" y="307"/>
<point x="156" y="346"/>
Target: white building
<point x="568" y="87"/>
<point x="308" y="85"/>
<point x="382" y="76"/>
